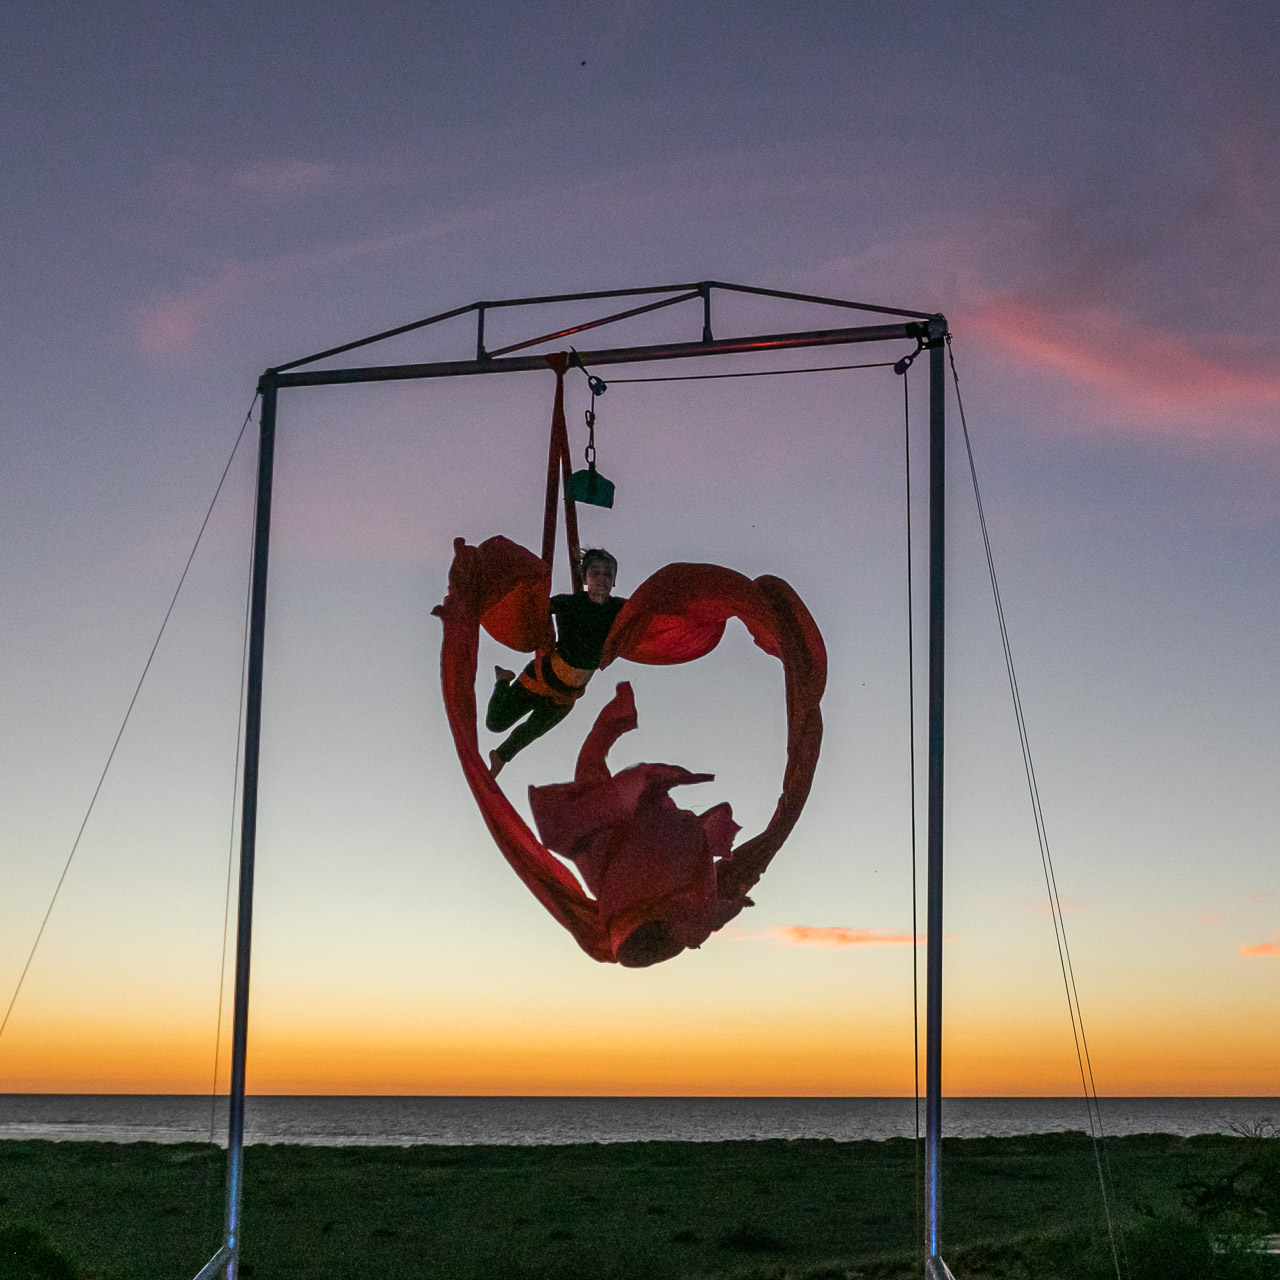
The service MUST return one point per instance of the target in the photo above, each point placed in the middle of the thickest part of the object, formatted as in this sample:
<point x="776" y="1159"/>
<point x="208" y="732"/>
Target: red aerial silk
<point x="663" y="878"/>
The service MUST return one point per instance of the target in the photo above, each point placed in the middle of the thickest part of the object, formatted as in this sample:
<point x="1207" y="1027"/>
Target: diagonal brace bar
<point x="594" y="324"/>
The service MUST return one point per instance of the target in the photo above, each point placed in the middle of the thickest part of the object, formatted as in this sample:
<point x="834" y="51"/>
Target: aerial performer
<point x="659" y="878"/>
<point x="547" y="688"/>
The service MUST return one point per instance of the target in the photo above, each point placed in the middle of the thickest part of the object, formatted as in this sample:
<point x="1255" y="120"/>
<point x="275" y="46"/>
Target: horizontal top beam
<point x="702" y="288"/>
<point x="917" y="330"/>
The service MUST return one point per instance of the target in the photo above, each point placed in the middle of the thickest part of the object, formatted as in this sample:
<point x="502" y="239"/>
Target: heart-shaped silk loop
<point x="663" y="878"/>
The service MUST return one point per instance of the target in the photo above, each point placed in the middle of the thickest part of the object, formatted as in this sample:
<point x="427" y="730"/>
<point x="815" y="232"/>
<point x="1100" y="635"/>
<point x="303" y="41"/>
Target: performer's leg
<point x="507" y="703"/>
<point x="546" y="715"/>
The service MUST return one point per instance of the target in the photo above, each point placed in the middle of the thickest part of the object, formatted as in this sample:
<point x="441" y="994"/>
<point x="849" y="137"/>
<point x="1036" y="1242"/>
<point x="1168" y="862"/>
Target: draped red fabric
<point x="505" y="588"/>
<point x="650" y="864"/>
<point x="663" y="878"/>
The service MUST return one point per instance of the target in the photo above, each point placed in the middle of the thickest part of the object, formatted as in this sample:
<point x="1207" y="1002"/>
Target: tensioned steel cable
<point x="754" y="373"/>
<point x="1046" y="859"/>
<point x="111" y="755"/>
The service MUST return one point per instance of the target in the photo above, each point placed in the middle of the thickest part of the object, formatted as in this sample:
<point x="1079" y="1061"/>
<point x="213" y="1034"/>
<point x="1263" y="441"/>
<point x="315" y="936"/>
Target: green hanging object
<point x="590" y="486"/>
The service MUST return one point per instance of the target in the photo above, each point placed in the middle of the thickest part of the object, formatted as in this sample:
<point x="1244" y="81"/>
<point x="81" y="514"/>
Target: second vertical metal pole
<point x="933" y="963"/>
<point x="249" y="823"/>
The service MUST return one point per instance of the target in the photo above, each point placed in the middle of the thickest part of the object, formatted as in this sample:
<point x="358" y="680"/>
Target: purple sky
<point x="1087" y="190"/>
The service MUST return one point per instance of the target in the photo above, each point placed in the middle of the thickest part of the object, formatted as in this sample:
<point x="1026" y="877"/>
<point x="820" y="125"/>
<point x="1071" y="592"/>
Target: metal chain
<point x="591" y="432"/>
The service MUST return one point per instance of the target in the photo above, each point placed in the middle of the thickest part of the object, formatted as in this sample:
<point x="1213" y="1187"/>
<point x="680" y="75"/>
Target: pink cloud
<point x="1041" y="906"/>
<point x="1266" y="893"/>
<point x="1271" y="948"/>
<point x="1162" y="376"/>
<point x="167" y="325"/>
<point x="183" y="182"/>
<point x="803" y="935"/>
<point x="284" y="178"/>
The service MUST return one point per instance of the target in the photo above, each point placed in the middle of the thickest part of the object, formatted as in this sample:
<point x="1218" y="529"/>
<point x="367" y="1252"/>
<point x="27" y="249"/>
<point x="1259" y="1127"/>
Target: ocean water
<point x="399" y="1121"/>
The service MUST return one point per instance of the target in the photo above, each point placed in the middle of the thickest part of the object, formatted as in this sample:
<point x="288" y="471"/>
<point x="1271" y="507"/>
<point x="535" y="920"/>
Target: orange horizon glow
<point x="1036" y="1060"/>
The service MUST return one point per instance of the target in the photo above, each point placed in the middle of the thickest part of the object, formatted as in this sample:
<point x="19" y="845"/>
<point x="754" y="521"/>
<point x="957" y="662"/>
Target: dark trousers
<point x="509" y="702"/>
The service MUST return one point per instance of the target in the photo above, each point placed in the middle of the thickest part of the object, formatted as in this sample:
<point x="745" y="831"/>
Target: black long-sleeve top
<point x="582" y="626"/>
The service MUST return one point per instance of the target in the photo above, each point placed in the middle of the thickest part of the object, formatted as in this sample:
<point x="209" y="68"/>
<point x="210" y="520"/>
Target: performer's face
<point x="599" y="581"/>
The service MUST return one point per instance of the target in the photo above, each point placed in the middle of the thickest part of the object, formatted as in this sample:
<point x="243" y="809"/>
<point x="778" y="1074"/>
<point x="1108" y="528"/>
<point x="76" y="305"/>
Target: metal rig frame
<point x="927" y="331"/>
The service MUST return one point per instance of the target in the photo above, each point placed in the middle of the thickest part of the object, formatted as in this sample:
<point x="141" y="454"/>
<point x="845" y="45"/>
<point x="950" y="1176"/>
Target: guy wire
<point x="102" y="777"/>
<point x="1051" y="884"/>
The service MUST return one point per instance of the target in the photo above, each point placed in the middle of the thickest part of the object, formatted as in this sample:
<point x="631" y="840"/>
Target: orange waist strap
<point x="540" y="678"/>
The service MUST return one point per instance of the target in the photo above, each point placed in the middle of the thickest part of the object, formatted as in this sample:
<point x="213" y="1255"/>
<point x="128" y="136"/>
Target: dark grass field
<point x="808" y="1210"/>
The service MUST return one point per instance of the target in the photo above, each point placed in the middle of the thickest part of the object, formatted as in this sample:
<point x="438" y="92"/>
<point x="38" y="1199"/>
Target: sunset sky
<point x="1088" y="191"/>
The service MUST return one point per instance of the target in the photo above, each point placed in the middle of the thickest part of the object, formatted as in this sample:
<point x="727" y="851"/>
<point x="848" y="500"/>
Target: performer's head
<point x="651" y="943"/>
<point x="599" y="569"/>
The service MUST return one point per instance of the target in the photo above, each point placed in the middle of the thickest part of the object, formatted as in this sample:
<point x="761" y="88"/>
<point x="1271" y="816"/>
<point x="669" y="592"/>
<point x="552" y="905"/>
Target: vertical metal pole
<point x="933" y="964"/>
<point x="705" y="290"/>
<point x="249" y="822"/>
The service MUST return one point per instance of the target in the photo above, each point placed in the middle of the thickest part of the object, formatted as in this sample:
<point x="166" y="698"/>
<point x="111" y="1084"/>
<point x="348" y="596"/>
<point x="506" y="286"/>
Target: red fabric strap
<point x="559" y="466"/>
